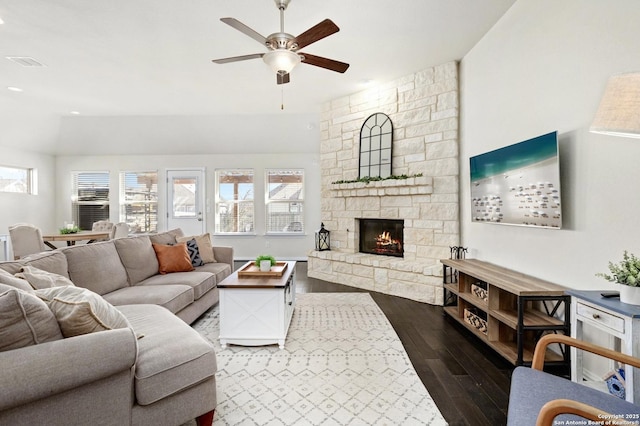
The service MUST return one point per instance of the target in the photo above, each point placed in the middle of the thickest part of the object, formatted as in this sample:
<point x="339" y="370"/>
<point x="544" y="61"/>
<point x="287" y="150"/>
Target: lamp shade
<point x="281" y="61"/>
<point x="619" y="110"/>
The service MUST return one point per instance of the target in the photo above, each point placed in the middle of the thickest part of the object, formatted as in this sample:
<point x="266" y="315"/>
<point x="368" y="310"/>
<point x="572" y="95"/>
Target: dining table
<point x="72" y="238"/>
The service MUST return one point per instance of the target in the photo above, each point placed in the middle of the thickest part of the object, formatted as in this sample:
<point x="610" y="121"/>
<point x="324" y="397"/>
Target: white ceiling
<point x="153" y="57"/>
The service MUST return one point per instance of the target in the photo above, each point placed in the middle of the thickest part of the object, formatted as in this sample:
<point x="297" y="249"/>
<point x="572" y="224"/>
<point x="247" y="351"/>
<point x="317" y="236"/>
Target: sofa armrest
<point x="224" y="255"/>
<point x="40" y="371"/>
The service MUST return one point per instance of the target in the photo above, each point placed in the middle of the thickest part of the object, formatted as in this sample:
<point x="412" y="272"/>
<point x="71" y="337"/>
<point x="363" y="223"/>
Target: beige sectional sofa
<point x="157" y="371"/>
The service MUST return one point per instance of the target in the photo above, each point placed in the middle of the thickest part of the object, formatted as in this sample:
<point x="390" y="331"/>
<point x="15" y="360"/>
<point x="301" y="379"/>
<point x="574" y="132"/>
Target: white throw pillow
<point x="25" y="320"/>
<point x="39" y="278"/>
<point x="81" y="311"/>
<point x="10" y="280"/>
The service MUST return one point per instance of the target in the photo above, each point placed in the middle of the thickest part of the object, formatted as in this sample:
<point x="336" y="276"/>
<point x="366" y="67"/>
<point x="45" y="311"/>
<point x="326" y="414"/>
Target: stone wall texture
<point x="424" y="110"/>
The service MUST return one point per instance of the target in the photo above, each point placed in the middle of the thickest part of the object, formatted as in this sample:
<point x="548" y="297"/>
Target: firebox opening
<point x="382" y="236"/>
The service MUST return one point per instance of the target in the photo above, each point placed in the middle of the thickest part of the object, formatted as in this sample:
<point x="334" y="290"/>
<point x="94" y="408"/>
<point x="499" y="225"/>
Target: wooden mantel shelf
<point x="410" y="186"/>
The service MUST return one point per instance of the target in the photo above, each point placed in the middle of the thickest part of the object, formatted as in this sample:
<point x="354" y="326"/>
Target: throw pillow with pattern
<point x="194" y="252"/>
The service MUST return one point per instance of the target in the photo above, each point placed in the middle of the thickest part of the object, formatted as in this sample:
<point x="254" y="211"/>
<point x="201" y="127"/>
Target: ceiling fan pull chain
<point x="282" y="98"/>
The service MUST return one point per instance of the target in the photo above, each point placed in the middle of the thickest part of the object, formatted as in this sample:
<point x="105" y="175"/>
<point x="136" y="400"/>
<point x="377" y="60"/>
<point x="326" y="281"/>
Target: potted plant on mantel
<point x="627" y="274"/>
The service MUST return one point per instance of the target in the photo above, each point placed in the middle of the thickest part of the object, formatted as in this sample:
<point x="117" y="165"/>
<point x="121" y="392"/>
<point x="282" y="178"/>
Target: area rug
<point x="343" y="364"/>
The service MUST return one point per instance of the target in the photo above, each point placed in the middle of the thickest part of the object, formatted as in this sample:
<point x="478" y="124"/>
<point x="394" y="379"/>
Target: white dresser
<point x="619" y="320"/>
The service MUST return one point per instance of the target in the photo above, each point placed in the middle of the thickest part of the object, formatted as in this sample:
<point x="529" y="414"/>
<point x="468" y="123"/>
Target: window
<point x="234" y="201"/>
<point x="90" y="200"/>
<point x="17" y="179"/>
<point x="139" y="200"/>
<point x="285" y="201"/>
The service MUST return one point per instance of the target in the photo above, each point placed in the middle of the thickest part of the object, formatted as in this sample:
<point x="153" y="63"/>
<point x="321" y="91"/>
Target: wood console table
<point x="510" y="312"/>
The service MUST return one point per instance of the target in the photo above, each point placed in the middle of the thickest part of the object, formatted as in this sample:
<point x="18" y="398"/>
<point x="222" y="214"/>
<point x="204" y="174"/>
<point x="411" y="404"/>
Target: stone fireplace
<point x="382" y="237"/>
<point x="424" y="110"/>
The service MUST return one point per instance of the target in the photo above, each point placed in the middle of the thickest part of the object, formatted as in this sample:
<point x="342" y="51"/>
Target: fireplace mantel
<point x="421" y="185"/>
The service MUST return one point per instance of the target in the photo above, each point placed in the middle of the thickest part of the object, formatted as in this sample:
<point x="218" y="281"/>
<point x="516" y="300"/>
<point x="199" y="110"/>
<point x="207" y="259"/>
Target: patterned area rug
<point x="343" y="364"/>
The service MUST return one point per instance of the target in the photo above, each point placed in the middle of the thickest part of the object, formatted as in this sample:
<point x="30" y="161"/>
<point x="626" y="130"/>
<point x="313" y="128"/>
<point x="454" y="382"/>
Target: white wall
<point x="543" y="67"/>
<point x="38" y="209"/>
<point x="245" y="247"/>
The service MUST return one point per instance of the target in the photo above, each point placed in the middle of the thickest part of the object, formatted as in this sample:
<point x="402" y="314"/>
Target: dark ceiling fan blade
<point x="282" y="79"/>
<point x="321" y="62"/>
<point x="244" y="29"/>
<point x="238" y="58"/>
<point x="318" y="32"/>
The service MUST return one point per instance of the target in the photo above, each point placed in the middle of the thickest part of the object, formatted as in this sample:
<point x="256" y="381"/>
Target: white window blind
<point x="285" y="201"/>
<point x="234" y="201"/>
<point x="17" y="179"/>
<point x="90" y="198"/>
<point x="139" y="200"/>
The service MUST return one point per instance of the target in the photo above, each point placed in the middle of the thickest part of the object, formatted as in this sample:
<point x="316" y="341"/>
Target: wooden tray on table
<point x="250" y="269"/>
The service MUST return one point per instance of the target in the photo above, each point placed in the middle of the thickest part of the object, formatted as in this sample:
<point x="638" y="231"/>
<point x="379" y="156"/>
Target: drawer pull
<point x="596" y="316"/>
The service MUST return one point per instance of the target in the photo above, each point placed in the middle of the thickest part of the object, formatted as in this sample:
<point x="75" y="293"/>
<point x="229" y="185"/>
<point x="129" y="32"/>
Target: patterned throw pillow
<point x="194" y="252"/>
<point x="204" y="246"/>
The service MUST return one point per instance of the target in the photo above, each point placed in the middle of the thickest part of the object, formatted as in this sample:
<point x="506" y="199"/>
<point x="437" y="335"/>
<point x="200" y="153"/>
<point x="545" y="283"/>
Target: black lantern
<point x="323" y="239"/>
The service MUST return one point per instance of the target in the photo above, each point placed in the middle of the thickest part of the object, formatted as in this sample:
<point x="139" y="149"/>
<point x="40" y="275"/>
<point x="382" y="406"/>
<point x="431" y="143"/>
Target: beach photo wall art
<point x="518" y="184"/>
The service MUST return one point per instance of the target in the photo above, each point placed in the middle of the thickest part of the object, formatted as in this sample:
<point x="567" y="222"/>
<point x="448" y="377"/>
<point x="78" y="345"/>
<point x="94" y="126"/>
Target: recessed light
<point x="75" y="112"/>
<point x="14" y="89"/>
<point x="1" y="21"/>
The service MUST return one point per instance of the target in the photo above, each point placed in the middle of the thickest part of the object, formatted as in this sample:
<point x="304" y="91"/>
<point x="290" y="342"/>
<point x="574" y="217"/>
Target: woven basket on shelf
<point x="475" y="321"/>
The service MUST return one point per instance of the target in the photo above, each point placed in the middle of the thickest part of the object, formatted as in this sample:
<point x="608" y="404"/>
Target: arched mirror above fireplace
<point x="376" y="143"/>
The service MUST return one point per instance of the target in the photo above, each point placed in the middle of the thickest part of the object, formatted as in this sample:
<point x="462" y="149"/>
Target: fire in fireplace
<point x="381" y="236"/>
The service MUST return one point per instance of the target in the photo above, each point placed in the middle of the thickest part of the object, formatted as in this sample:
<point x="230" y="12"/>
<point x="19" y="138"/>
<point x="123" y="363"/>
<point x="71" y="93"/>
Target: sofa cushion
<point x="172" y="356"/>
<point x="138" y="257"/>
<point x="219" y="270"/>
<point x="13" y="281"/>
<point x="172" y="258"/>
<point x="25" y="320"/>
<point x="81" y="311"/>
<point x="204" y="245"/>
<point x="38" y="278"/>
<point x="531" y="389"/>
<point x="96" y="266"/>
<point x="201" y="282"/>
<point x="172" y="297"/>
<point x="168" y="237"/>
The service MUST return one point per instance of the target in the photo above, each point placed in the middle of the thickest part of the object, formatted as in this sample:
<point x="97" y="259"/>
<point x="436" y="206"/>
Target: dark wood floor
<point x="468" y="381"/>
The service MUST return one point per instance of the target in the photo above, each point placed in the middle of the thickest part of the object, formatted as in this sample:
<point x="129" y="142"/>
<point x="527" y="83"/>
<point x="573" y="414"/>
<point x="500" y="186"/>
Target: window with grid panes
<point x="139" y="201"/>
<point x="90" y="198"/>
<point x="234" y="201"/>
<point x="285" y="201"/>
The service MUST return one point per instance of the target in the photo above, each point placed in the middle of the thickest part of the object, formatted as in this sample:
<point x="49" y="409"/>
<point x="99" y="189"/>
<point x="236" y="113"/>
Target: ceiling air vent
<point x="25" y="61"/>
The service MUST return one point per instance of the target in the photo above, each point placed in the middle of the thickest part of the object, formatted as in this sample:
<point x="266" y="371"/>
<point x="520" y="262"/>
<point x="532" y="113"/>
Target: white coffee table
<point x="256" y="310"/>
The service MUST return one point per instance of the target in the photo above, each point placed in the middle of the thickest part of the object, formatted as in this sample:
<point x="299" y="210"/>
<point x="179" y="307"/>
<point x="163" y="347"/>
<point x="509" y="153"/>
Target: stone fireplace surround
<point x="424" y="110"/>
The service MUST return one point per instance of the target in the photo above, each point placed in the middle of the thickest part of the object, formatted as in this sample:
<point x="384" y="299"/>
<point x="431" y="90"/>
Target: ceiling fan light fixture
<point x="281" y="61"/>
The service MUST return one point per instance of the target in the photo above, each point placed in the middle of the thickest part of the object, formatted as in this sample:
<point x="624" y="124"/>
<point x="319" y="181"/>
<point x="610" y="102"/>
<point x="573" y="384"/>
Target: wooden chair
<point x="537" y="398"/>
<point x="25" y="239"/>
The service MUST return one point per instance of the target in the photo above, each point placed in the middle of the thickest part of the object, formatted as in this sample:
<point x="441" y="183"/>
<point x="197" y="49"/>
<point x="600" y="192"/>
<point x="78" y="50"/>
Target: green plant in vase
<point x="627" y="274"/>
<point x="268" y="257"/>
<point x="67" y="230"/>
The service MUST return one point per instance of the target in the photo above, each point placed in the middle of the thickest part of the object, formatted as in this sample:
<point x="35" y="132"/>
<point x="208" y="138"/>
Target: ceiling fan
<point x="283" y="49"/>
